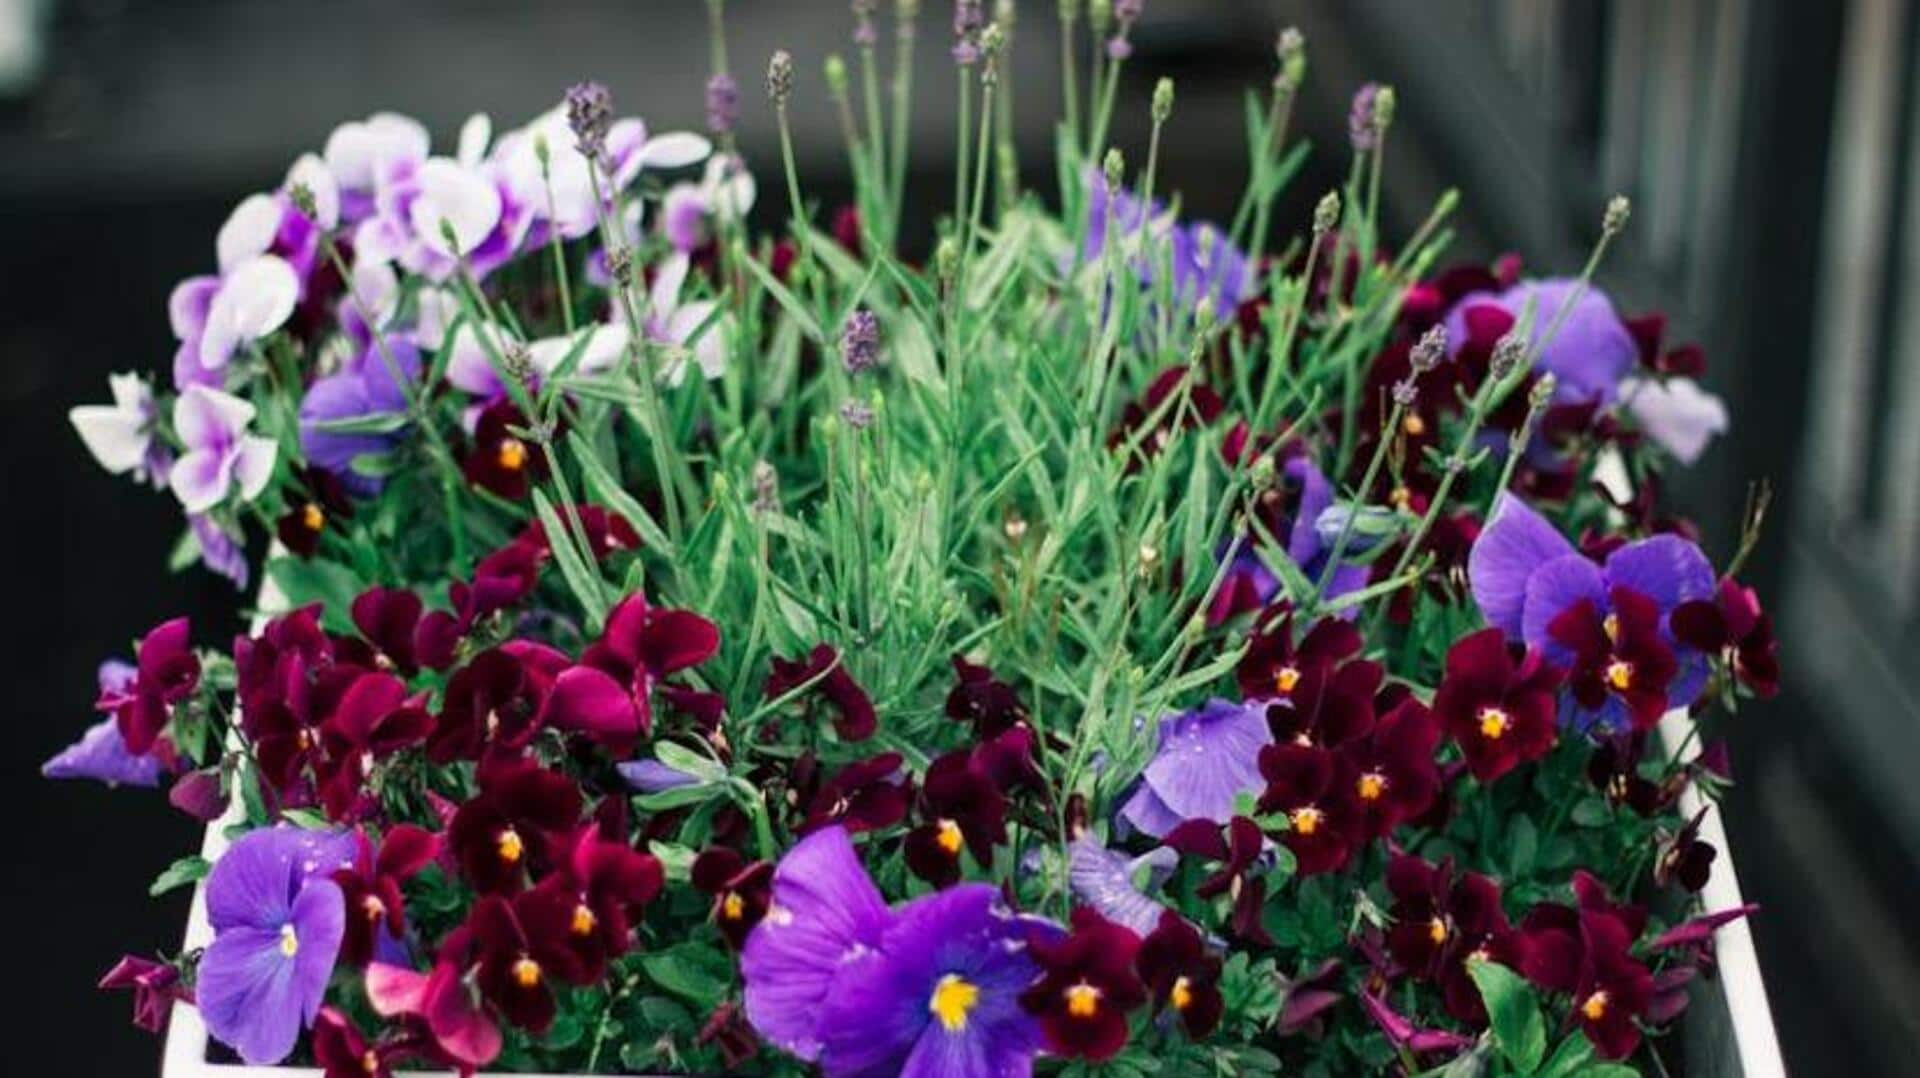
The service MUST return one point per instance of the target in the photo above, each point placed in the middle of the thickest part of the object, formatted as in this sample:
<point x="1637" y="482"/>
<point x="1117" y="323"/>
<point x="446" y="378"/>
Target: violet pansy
<point x="222" y="456"/>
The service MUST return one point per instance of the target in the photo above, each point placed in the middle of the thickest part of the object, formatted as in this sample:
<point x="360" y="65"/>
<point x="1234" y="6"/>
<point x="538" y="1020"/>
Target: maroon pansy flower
<point x="1274" y="666"/>
<point x="960" y="808"/>
<point x="865" y="795"/>
<point x="1585" y="952"/>
<point x="494" y="705"/>
<point x="317" y="500"/>
<point x="728" y="1031"/>
<point x="1182" y="974"/>
<point x="1733" y="625"/>
<point x="342" y="1052"/>
<point x="501" y="461"/>
<point x="1312" y="788"/>
<point x="741" y="890"/>
<point x="156" y="986"/>
<point x="1395" y="778"/>
<point x="1086" y="988"/>
<point x="168" y="673"/>
<point x="989" y="705"/>
<point x="1442" y="921"/>
<point x="376" y="911"/>
<point x="1236" y="849"/>
<point x="507" y="974"/>
<point x="582" y="915"/>
<point x="1499" y="708"/>
<point x="374" y="719"/>
<point x="512" y="824"/>
<point x="1168" y="406"/>
<point x="1685" y="859"/>
<point x="287" y="726"/>
<point x="824" y="675"/>
<point x="1614" y="770"/>
<point x="1622" y="655"/>
<point x="642" y="645"/>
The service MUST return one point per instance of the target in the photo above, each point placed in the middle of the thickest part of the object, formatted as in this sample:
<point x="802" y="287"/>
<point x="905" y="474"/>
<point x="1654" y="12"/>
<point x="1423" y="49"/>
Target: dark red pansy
<point x="642" y="645"/>
<point x="1733" y="625"/>
<point x="1622" y="655"/>
<point x="510" y="827"/>
<point x="1176" y="400"/>
<point x="168" y="672"/>
<point x="1442" y="922"/>
<point x="492" y="706"/>
<point x="606" y="532"/>
<point x="741" y="890"/>
<point x="1306" y="998"/>
<point x="989" y="705"/>
<point x="1395" y="778"/>
<point x="1273" y="665"/>
<point x="501" y="461"/>
<point x="1685" y="859"/>
<point x="1585" y="953"/>
<point x="1312" y="788"/>
<point x="156" y="986"/>
<point x="582" y="915"/>
<point x="1236" y="848"/>
<point x="1500" y="709"/>
<point x="729" y="1032"/>
<point x="960" y="808"/>
<point x="374" y="719"/>
<point x="824" y="675"/>
<point x="1330" y="706"/>
<point x="588" y="701"/>
<point x="1087" y="987"/>
<point x="1182" y="975"/>
<point x="508" y="975"/>
<point x="316" y="500"/>
<point x="342" y="1052"/>
<point x="370" y="889"/>
<point x="865" y="795"/>
<point x="287" y="726"/>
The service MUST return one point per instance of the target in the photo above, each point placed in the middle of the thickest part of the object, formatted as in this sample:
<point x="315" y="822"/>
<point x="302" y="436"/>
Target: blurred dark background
<point x="1772" y="149"/>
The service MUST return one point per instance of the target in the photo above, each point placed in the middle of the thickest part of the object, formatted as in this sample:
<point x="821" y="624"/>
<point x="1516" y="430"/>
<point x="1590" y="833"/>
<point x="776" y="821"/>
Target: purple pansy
<point x="1528" y="579"/>
<point x="278" y="921"/>
<point x="1203" y="264"/>
<point x="101" y="753"/>
<point x="1249" y="584"/>
<point x="1205" y="760"/>
<point x="221" y="455"/>
<point x="1110" y="881"/>
<point x="365" y="391"/>
<point x="1589" y="355"/>
<point x="650" y="776"/>
<point x="357" y="150"/>
<point x="940" y="997"/>
<point x="213" y="316"/>
<point x="220" y="552"/>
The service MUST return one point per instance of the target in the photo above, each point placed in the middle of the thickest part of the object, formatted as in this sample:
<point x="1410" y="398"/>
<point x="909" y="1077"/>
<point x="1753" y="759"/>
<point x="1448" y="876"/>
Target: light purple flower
<point x="220" y="552"/>
<point x="1202" y="262"/>
<point x="1205" y="759"/>
<point x="366" y="393"/>
<point x="1676" y="413"/>
<point x="690" y="324"/>
<point x="940" y="998"/>
<point x="357" y="151"/>
<point x="278" y="921"/>
<point x="120" y="435"/>
<point x="650" y="776"/>
<point x="213" y="317"/>
<point x="1588" y="356"/>
<point x="561" y="196"/>
<point x="221" y="456"/>
<point x="431" y="216"/>
<point x="825" y="912"/>
<point x="1108" y="881"/>
<point x="725" y="192"/>
<point x="101" y="753"/>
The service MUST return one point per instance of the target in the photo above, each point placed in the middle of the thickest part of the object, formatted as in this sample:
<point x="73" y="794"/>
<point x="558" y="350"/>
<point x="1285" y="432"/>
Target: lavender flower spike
<point x="860" y="341"/>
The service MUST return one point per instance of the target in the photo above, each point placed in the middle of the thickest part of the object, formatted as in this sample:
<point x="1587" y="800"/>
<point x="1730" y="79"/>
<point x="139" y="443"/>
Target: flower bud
<point x="723" y="103"/>
<point x="780" y="77"/>
<point x="860" y="341"/>
<point x="836" y="74"/>
<point x="1291" y="50"/>
<point x="1162" y="100"/>
<point x="1327" y="214"/>
<point x="1430" y="349"/>
<point x="1615" y="219"/>
<point x="1383" y="105"/>
<point x="1099" y="15"/>
<point x="1508" y="351"/>
<point x="589" y="116"/>
<point x="1114" y="168"/>
<point x="1542" y="393"/>
<point x="946" y="259"/>
<point x="856" y="415"/>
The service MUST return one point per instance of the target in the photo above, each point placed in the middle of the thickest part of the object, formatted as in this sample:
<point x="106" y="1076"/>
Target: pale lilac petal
<point x="248" y="231"/>
<point x="683" y="216"/>
<point x="1515" y="543"/>
<point x="669" y="277"/>
<point x="188" y="304"/>
<point x="255" y="299"/>
<point x="675" y="149"/>
<point x="457" y="197"/>
<point x="101" y="754"/>
<point x="469" y="368"/>
<point x="357" y="149"/>
<point x="200" y="478"/>
<point x="1208" y="758"/>
<point x="210" y="418"/>
<point x="253" y="465"/>
<point x="650" y="776"/>
<point x="475" y="134"/>
<point x="1106" y="880"/>
<point x="117" y="438"/>
<point x="1677" y="414"/>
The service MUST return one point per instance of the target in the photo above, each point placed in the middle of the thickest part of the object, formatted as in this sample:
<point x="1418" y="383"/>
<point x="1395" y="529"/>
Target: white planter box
<point x="1728" y="1025"/>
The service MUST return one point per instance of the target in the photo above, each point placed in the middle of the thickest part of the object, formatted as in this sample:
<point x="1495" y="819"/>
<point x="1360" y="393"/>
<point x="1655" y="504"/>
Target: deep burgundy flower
<point x="865" y="795"/>
<point x="1401" y="1031"/>
<point x="1498" y="708"/>
<point x="156" y="986"/>
<point x="728" y="1031"/>
<point x="1086" y="988"/>
<point x="825" y="674"/>
<point x="508" y="974"/>
<point x="990" y="705"/>
<point x="1585" y="952"/>
<point x="342" y="1052"/>
<point x="1395" y="778"/>
<point x="606" y="532"/>
<point x="317" y="501"/>
<point x="1621" y="655"/>
<point x="1614" y="770"/>
<point x="374" y="719"/>
<point x="582" y="915"/>
<point x="1685" y="859"/>
<point x="1236" y="848"/>
<point x="501" y="461"/>
<point x="1733" y="625"/>
<point x="462" y="1033"/>
<point x="259" y="660"/>
<point x="287" y="726"/>
<point x="1274" y="666"/>
<point x="513" y="824"/>
<point x="1313" y="789"/>
<point x="960" y="808"/>
<point x="1183" y="974"/>
<point x="1304" y="999"/>
<point x="168" y="673"/>
<point x="741" y="890"/>
<point x="1442" y="921"/>
<point x="642" y="645"/>
<point x="376" y="911"/>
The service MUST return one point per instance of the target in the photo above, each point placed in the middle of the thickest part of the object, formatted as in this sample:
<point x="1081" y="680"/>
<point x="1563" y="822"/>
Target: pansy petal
<point x="458" y="198"/>
<point x="204" y="417"/>
<point x="248" y="231"/>
<point x="1665" y="568"/>
<point x="117" y="438"/>
<point x="188" y="304"/>
<point x="1514" y="544"/>
<point x="1554" y="587"/>
<point x="253" y="465"/>
<point x="675" y="149"/>
<point x="200" y="479"/>
<point x="246" y="993"/>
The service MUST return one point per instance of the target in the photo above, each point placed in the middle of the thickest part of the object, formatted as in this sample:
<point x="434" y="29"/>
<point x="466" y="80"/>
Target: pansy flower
<point x="823" y="676"/>
<point x="358" y="414"/>
<point x="1204" y="761"/>
<point x="278" y="920"/>
<point x="1614" y="770"/>
<point x="584" y="912"/>
<point x="1499" y="709"/>
<point x="221" y="455"/>
<point x="960" y="809"/>
<point x="507" y="972"/>
<point x="1442" y="920"/>
<point x="1584" y="952"/>
<point x="1394" y="775"/>
<point x="342" y="1051"/>
<point x="865" y="795"/>
<point x="1238" y="850"/>
<point x="443" y="1000"/>
<point x="1274" y="665"/>
<point x="376" y="922"/>
<point x="1616" y="659"/>
<point x="1311" y="787"/>
<point x="1116" y="885"/>
<point x="374" y="719"/>
<point x="1175" y="401"/>
<point x="1675" y="413"/>
<point x="1732" y="624"/>
<point x="502" y="461"/>
<point x="513" y="823"/>
<point x="979" y="698"/>
<point x="316" y="500"/>
<point x="1592" y="349"/>
<point x="1684" y="858"/>
<point x="1087" y="987"/>
<point x="741" y="890"/>
<point x="215" y="316"/>
<point x="167" y="672"/>
<point x="101" y="753"/>
<point x="1182" y="975"/>
<point x="120" y="435"/>
<point x="156" y="987"/>
<point x="643" y="645"/>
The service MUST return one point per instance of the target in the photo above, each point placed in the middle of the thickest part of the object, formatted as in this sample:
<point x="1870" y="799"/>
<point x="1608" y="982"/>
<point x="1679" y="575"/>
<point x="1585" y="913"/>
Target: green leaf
<point x="575" y="567"/>
<point x="307" y="818"/>
<point x="603" y="487"/>
<point x="787" y="300"/>
<point x="1518" y="1027"/>
<point x="372" y="423"/>
<point x="184" y="872"/>
<point x="688" y="762"/>
<point x="1571" y="1058"/>
<point x="1591" y="812"/>
<point x="694" y="973"/>
<point x="304" y="581"/>
<point x="679" y="797"/>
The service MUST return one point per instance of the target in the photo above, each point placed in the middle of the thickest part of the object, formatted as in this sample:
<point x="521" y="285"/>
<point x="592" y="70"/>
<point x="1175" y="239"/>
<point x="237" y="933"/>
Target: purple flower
<point x="1361" y="131"/>
<point x="1527" y="578"/>
<point x="824" y="913"/>
<point x="1588" y="356"/>
<point x="120" y="435"/>
<point x="101" y="753"/>
<point x="723" y="103"/>
<point x="219" y="552"/>
<point x="1204" y="264"/>
<point x="1304" y="527"/>
<point x="278" y="921"/>
<point x="589" y="116"/>
<point x="221" y="456"/>
<point x="650" y="776"/>
<point x="358" y="412"/>
<point x="1108" y="881"/>
<point x="214" y="316"/>
<point x="860" y="341"/>
<point x="1676" y="413"/>
<point x="433" y="215"/>
<point x="940" y="997"/>
<point x="1205" y="760"/>
<point x="357" y="150"/>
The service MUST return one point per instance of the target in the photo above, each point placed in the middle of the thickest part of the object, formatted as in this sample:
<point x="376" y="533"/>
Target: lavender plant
<point x="1111" y="646"/>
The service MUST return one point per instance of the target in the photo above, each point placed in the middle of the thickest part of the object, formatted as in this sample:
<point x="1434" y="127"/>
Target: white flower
<point x="119" y="435"/>
<point x="689" y="325"/>
<point x="253" y="299"/>
<point x="221" y="455"/>
<point x="1676" y="414"/>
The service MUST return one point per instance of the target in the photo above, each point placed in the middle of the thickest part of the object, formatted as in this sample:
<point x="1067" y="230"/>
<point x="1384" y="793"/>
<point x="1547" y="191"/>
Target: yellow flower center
<point x="1612" y="626"/>
<point x="1372" y="785"/>
<point x="1307" y="819"/>
<point x="1286" y="678"/>
<point x="949" y="837"/>
<point x="1083" y="1000"/>
<point x="526" y="972"/>
<point x="510" y="846"/>
<point x="1620" y="675"/>
<point x="512" y="454"/>
<point x="289" y="941"/>
<point x="1437" y="930"/>
<point x="312" y="518"/>
<point x="1413" y="425"/>
<point x="1494" y="723"/>
<point x="953" y="998"/>
<point x="1182" y="995"/>
<point x="373" y="907"/>
<point x="583" y="920"/>
<point x="1399" y="497"/>
<point x="370" y="1061"/>
<point x="732" y="906"/>
<point x="1595" y="1007"/>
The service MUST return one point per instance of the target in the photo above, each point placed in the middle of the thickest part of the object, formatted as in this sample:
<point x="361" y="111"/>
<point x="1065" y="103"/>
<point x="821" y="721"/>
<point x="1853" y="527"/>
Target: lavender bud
<point x="620" y="265"/>
<point x="946" y="259"/>
<point x="968" y="19"/>
<point x="766" y="487"/>
<point x="1383" y="104"/>
<point x="860" y="341"/>
<point x="780" y="77"/>
<point x="1119" y="48"/>
<point x="1429" y="349"/>
<point x="1360" y="129"/>
<point x="1615" y="219"/>
<point x="864" y="35"/>
<point x="518" y="363"/>
<point x="1508" y="351"/>
<point x="1127" y="12"/>
<point x="856" y="415"/>
<point x="1291" y="49"/>
<point x="836" y="73"/>
<point x="1405" y="393"/>
<point x="302" y="198"/>
<point x="1114" y="168"/>
<point x="723" y="103"/>
<point x="1162" y="100"/>
<point x="1327" y="214"/>
<point x="992" y="40"/>
<point x="1542" y="393"/>
<point x="589" y="115"/>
